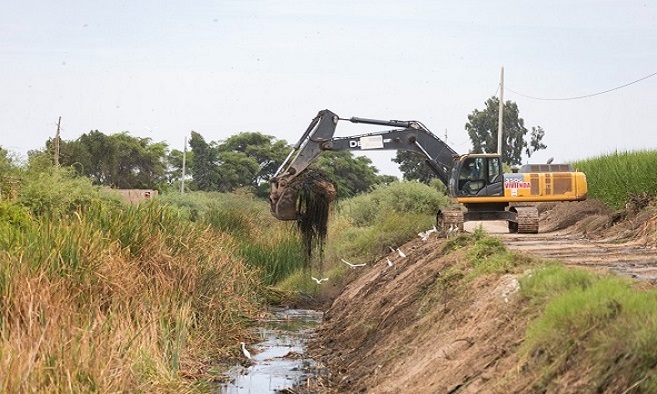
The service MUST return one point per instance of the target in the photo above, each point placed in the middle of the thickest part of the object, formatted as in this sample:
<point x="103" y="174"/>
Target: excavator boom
<point x="318" y="137"/>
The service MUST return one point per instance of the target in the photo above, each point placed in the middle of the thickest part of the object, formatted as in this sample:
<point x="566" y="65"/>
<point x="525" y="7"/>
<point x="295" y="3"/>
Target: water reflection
<point x="279" y="360"/>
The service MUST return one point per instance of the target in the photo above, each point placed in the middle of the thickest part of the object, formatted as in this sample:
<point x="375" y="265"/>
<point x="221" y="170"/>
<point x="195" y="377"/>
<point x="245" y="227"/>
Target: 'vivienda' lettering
<point x="513" y="184"/>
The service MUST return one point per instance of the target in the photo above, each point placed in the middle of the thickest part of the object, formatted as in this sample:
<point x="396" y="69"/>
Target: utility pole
<point x="59" y="122"/>
<point x="182" y="180"/>
<point x="501" y="116"/>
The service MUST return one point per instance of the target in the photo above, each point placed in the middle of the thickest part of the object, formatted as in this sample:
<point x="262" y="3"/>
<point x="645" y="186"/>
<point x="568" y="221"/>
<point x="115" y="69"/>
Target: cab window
<point x="474" y="168"/>
<point x="494" y="170"/>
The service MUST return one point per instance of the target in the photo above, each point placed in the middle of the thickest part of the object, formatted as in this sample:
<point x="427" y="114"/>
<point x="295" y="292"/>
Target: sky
<point x="161" y="69"/>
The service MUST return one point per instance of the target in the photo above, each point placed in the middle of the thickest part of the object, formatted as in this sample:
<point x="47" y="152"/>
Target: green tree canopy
<point x="413" y="167"/>
<point x="117" y="160"/>
<point x="203" y="167"/>
<point x="265" y="150"/>
<point x="352" y="174"/>
<point x="247" y="159"/>
<point x="482" y="129"/>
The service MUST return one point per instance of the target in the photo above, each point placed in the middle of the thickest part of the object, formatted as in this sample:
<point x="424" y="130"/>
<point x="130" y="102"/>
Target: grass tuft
<point x="602" y="323"/>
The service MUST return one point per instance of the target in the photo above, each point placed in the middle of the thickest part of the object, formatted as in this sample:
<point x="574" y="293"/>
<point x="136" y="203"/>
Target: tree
<point x="535" y="141"/>
<point x="236" y="170"/>
<point x="204" y="166"/>
<point x="413" y="166"/>
<point x="8" y="173"/>
<point x="117" y="160"/>
<point x="482" y="129"/>
<point x="262" y="149"/>
<point x="246" y="159"/>
<point x="352" y="174"/>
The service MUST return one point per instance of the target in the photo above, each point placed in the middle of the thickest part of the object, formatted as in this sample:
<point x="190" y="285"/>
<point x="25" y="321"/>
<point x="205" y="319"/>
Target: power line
<point x="581" y="97"/>
<point x="496" y="90"/>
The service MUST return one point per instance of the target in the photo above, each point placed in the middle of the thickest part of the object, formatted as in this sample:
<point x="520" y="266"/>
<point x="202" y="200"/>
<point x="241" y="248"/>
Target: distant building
<point x="136" y="195"/>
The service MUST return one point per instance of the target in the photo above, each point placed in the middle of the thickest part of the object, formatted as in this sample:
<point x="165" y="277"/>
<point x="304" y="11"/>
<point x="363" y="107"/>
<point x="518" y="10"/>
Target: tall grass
<point x="264" y="243"/>
<point x="110" y="298"/>
<point x="599" y="323"/>
<point x="612" y="177"/>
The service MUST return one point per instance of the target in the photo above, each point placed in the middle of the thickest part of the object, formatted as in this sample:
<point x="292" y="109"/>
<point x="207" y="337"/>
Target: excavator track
<point x="527" y="220"/>
<point x="450" y="220"/>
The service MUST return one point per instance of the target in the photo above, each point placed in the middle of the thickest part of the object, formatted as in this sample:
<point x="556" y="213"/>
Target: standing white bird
<point x="401" y="254"/>
<point x="424" y="235"/>
<point x="390" y="263"/>
<point x="319" y="281"/>
<point x="245" y="351"/>
<point x="353" y="265"/>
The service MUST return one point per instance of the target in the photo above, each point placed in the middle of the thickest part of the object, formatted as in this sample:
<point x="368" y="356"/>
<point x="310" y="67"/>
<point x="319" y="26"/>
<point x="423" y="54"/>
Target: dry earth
<point x="393" y="330"/>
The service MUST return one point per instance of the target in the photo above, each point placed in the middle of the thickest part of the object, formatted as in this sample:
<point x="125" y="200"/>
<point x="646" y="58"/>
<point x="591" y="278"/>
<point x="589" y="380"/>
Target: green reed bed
<point x="271" y="247"/>
<point x="612" y="177"/>
<point x="117" y="299"/>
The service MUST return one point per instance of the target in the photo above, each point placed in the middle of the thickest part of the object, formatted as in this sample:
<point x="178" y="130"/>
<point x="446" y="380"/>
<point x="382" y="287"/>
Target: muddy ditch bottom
<point x="278" y="362"/>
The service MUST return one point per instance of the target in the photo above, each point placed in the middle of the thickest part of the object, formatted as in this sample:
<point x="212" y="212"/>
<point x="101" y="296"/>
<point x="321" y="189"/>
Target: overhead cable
<point x="581" y="97"/>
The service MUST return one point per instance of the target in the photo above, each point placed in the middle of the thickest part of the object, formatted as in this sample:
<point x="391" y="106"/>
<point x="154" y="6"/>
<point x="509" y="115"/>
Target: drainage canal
<point x="278" y="362"/>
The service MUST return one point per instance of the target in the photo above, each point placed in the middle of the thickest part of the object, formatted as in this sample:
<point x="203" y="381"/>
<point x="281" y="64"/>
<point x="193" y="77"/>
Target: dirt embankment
<point x="402" y="328"/>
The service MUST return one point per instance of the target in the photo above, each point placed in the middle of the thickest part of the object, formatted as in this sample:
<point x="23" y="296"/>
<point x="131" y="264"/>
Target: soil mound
<point x="404" y="329"/>
<point x="592" y="219"/>
<point x="407" y="328"/>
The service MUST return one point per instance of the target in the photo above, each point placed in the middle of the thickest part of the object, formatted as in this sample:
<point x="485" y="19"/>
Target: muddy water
<point x="278" y="362"/>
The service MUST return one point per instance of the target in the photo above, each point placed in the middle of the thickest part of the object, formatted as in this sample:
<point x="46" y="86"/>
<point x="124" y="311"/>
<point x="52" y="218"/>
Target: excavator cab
<point x="477" y="175"/>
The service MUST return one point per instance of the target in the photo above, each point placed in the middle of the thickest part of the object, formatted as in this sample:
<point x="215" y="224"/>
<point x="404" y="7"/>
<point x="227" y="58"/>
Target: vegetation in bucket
<point x="316" y="192"/>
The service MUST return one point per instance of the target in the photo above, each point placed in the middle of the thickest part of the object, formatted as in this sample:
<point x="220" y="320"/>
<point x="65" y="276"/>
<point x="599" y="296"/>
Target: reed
<point x="366" y="226"/>
<point x="273" y="249"/>
<point x="117" y="298"/>
<point x="612" y="177"/>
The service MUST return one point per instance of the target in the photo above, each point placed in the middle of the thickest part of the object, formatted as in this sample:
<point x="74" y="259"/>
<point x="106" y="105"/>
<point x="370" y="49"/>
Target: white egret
<point x="401" y="254"/>
<point x="423" y="235"/>
<point x="353" y="265"/>
<point x="319" y="281"/>
<point x="390" y="263"/>
<point x="245" y="351"/>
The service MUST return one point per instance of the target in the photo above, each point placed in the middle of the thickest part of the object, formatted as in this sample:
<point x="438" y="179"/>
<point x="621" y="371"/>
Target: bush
<point x="397" y="197"/>
<point x="58" y="192"/>
<point x="367" y="225"/>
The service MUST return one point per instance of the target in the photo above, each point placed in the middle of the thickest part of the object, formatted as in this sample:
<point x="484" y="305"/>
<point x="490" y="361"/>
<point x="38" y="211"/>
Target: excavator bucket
<point x="288" y="200"/>
<point x="283" y="201"/>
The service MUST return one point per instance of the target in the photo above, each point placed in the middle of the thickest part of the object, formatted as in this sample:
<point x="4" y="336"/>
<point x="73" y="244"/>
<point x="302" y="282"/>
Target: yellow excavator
<point x="474" y="180"/>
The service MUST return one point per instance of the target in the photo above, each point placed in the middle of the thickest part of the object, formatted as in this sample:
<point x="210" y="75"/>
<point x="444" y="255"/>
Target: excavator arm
<point x="318" y="137"/>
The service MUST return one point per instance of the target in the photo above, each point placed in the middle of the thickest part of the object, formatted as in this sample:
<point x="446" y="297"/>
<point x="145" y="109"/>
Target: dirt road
<point x="628" y="258"/>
